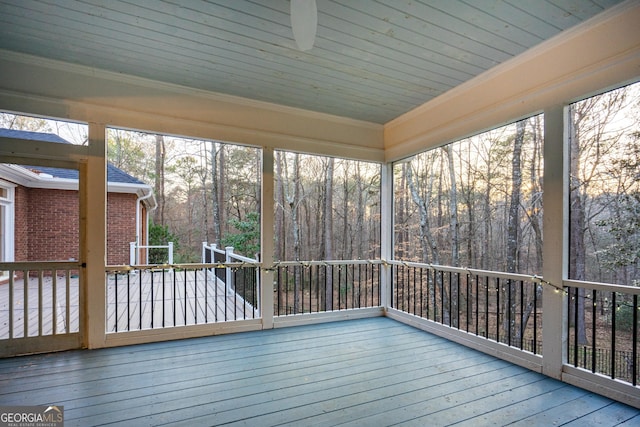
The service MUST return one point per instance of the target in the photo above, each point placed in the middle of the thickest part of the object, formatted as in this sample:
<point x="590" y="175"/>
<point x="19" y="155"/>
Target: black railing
<point x="602" y="325"/>
<point x="324" y="286"/>
<point x="498" y="306"/>
<point x="150" y="297"/>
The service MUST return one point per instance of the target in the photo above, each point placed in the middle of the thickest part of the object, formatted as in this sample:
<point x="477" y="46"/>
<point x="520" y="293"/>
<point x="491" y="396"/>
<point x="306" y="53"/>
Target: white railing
<point x="135" y="248"/>
<point x="39" y="307"/>
<point x="227" y="256"/>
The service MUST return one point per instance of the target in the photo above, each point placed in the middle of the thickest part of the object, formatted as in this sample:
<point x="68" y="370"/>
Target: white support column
<point x="267" y="239"/>
<point x="555" y="246"/>
<point x="386" y="232"/>
<point x="93" y="208"/>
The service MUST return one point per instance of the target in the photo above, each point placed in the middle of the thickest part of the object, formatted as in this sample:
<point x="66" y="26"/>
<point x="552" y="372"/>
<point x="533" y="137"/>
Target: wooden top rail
<point x="195" y="266"/>
<point x="633" y="290"/>
<point x="40" y="265"/>
<point x="327" y="262"/>
<point x="472" y="271"/>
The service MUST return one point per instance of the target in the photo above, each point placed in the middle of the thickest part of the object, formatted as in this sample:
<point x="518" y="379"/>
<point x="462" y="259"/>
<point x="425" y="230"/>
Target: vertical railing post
<point x="132" y="253"/>
<point x="555" y="246"/>
<point x="93" y="238"/>
<point x="228" y="258"/>
<point x="386" y="233"/>
<point x="204" y="252"/>
<point x="267" y="275"/>
<point x="170" y="252"/>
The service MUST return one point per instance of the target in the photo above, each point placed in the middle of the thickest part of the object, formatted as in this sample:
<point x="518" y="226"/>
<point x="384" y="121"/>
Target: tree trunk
<point x="427" y="240"/>
<point x="401" y="214"/>
<point x="215" y="193"/>
<point x="513" y="232"/>
<point x="205" y="193"/>
<point x="294" y="204"/>
<point x="453" y="209"/>
<point x="159" y="180"/>
<point x="455" y="238"/>
<point x="328" y="233"/>
<point x="279" y="254"/>
<point x="577" y="260"/>
<point x="361" y="237"/>
<point x="223" y="205"/>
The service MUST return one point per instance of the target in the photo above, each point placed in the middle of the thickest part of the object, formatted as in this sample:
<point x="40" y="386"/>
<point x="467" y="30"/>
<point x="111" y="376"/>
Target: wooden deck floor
<point x="370" y="372"/>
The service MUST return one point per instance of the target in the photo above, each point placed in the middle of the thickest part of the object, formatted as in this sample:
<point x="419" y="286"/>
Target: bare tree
<point x="159" y="186"/>
<point x="328" y="232"/>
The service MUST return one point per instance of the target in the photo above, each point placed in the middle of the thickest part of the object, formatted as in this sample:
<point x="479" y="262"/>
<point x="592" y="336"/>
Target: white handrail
<point x="134" y="248"/>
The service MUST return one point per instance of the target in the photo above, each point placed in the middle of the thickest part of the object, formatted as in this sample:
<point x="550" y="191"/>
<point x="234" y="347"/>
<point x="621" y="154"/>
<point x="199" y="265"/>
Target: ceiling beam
<point x="35" y="85"/>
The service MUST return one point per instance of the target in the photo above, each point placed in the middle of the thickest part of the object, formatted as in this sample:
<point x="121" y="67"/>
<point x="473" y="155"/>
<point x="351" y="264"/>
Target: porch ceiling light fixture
<point x="304" y="22"/>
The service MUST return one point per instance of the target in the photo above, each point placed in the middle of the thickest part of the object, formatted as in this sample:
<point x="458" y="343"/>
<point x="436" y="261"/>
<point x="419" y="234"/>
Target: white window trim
<point x="8" y="232"/>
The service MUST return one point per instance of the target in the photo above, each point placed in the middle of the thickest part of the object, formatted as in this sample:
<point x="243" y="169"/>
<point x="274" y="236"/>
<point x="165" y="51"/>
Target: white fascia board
<point x="26" y="178"/>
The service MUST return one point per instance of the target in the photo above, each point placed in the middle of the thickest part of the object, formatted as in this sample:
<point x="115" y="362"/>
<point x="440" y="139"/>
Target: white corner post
<point x="555" y="246"/>
<point x="93" y="208"/>
<point x="267" y="239"/>
<point x="386" y="233"/>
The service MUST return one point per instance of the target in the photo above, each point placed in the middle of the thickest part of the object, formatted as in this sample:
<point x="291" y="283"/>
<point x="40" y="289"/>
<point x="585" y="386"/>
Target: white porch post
<point x="93" y="208"/>
<point x="267" y="239"/>
<point x="555" y="246"/>
<point x="386" y="232"/>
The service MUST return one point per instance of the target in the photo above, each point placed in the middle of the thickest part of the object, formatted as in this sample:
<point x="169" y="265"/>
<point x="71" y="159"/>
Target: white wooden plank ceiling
<point x="372" y="60"/>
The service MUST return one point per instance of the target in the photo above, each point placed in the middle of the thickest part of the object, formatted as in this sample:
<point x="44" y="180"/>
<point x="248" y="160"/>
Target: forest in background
<point x="325" y="208"/>
<point x="478" y="202"/>
<point x="474" y="203"/>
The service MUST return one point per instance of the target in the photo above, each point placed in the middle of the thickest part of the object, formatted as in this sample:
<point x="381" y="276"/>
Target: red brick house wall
<point x="53" y="226"/>
<point x="47" y="225"/>
<point x="121" y="226"/>
<point x="21" y="235"/>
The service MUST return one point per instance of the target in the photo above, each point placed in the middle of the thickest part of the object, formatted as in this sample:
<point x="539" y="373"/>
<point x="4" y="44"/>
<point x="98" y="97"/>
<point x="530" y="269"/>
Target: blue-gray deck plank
<point x="361" y="372"/>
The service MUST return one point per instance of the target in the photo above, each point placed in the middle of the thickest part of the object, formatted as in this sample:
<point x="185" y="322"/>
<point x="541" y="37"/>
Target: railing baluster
<point x="634" y="342"/>
<point x="575" y="328"/>
<point x="54" y="305"/>
<point x="509" y="307"/>
<point x="486" y="306"/>
<point x="129" y="301"/>
<point x="11" y="303"/>
<point x="535" y="318"/>
<point x="458" y="300"/>
<point x="477" y="309"/>
<point x="25" y="303"/>
<point x="593" y="331"/>
<point x="152" y="301"/>
<point x="186" y="299"/>
<point x="234" y="274"/>
<point x="164" y="298"/>
<point x="140" y="302"/>
<point x="522" y="325"/>
<point x="614" y="309"/>
<point x="497" y="309"/>
<point x="310" y="289"/>
<point x="175" y="287"/>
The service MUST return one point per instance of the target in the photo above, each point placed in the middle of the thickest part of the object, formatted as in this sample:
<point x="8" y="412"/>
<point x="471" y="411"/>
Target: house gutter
<point x="139" y="201"/>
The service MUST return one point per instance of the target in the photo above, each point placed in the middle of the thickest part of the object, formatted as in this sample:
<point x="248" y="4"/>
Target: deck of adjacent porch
<point x="370" y="372"/>
<point x="143" y="300"/>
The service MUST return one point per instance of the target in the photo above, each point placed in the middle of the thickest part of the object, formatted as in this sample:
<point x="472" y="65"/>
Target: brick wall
<point x="52" y="225"/>
<point x="47" y="225"/>
<point x="121" y="227"/>
<point x="21" y="236"/>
